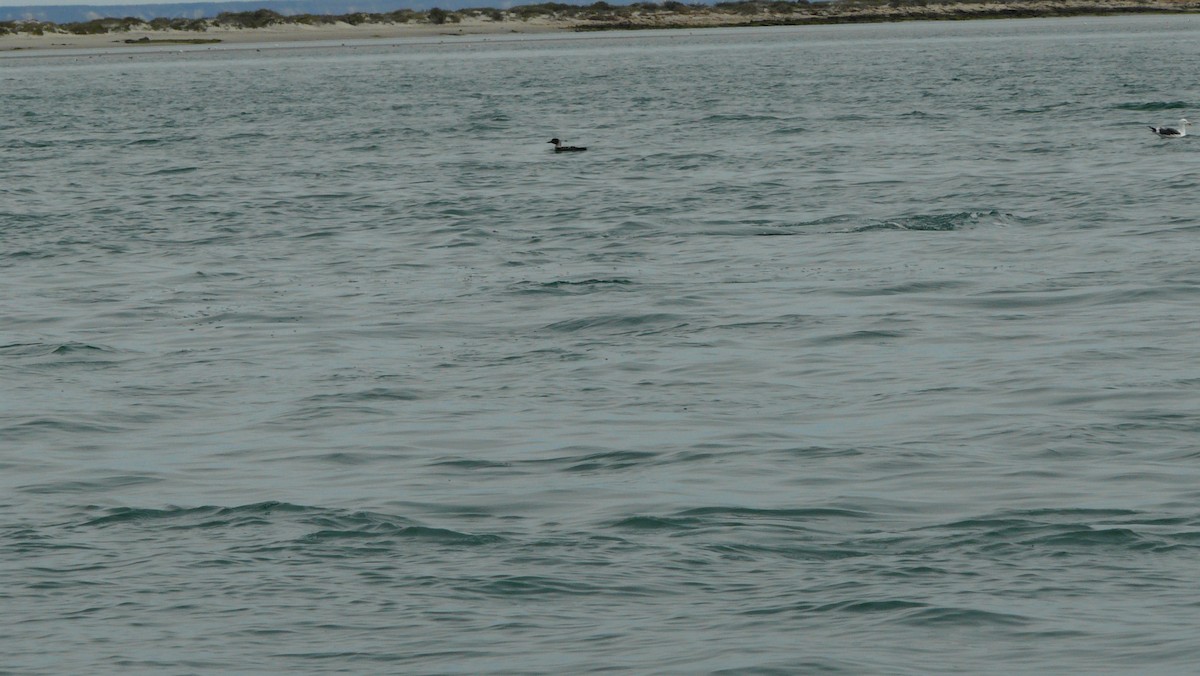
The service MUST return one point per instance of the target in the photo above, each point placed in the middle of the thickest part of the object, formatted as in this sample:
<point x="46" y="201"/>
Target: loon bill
<point x="560" y="148"/>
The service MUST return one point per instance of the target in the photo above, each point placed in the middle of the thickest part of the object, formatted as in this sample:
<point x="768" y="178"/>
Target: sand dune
<point x="690" y="17"/>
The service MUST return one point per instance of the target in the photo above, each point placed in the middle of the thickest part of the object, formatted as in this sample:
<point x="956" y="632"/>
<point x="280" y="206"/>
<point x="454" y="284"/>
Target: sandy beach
<point x="691" y="17"/>
<point x="283" y="33"/>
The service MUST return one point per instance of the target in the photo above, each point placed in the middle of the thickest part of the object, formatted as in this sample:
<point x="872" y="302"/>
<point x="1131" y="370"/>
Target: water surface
<point x="848" y="349"/>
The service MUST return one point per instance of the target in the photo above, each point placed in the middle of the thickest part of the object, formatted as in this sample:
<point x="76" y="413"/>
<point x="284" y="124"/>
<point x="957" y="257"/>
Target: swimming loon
<point x="1172" y="132"/>
<point x="560" y="148"/>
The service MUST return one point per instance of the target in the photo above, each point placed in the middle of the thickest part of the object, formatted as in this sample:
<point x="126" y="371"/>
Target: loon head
<point x="555" y="141"/>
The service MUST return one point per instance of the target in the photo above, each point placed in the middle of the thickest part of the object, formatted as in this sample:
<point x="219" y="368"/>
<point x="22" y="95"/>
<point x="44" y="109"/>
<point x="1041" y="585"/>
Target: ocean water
<point x="850" y="349"/>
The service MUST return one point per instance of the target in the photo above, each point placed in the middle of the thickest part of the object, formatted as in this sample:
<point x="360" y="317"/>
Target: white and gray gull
<point x="1172" y="132"/>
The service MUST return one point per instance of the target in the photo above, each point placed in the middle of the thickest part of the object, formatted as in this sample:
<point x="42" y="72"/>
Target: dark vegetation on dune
<point x="603" y="16"/>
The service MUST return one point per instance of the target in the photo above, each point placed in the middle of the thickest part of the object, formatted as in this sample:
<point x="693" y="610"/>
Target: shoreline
<point x="284" y="33"/>
<point x="691" y="17"/>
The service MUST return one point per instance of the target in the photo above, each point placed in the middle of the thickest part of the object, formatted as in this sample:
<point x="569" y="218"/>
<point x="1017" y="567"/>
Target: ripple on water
<point x="298" y="383"/>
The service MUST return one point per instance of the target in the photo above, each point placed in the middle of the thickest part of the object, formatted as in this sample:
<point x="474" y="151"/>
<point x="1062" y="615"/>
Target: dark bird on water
<point x="1172" y="132"/>
<point x="560" y="148"/>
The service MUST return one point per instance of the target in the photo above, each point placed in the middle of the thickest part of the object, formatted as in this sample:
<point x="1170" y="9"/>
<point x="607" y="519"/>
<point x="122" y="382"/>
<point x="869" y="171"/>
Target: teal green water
<point x="851" y="349"/>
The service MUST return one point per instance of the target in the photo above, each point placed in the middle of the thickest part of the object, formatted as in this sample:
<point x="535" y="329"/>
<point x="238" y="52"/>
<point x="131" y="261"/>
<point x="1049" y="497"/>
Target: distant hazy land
<point x="264" y="25"/>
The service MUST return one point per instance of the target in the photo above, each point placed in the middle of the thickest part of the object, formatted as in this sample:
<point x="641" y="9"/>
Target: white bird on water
<point x="1172" y="132"/>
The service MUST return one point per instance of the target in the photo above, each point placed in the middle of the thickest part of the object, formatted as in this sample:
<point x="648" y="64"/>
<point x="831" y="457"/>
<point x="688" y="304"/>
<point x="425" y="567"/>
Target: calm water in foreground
<point x="857" y="349"/>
